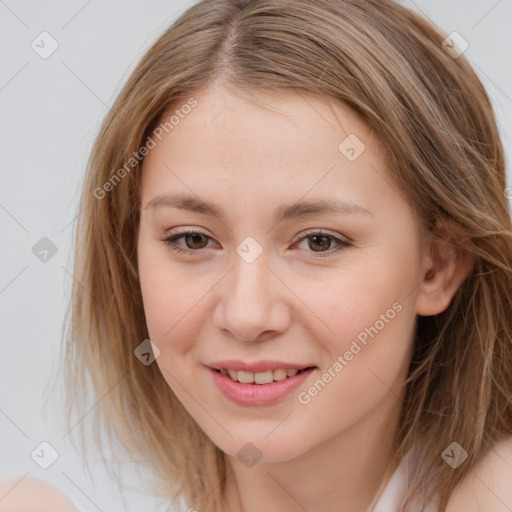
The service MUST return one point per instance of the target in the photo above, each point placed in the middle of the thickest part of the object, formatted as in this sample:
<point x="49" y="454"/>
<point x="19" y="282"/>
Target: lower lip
<point x="258" y="394"/>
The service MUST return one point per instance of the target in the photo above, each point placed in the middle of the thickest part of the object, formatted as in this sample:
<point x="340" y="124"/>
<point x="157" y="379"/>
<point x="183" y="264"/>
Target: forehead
<point x="243" y="124"/>
<point x="267" y="147"/>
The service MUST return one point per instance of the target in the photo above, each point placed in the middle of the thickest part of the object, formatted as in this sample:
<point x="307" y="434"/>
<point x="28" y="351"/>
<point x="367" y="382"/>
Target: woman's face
<point x="255" y="290"/>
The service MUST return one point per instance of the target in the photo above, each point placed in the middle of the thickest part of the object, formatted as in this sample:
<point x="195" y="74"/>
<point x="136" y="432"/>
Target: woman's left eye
<point x="321" y="239"/>
<point x="318" y="242"/>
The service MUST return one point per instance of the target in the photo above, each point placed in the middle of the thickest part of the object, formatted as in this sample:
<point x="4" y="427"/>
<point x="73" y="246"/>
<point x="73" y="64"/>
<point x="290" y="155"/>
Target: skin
<point x="32" y="494"/>
<point x="250" y="155"/>
<point x="487" y="487"/>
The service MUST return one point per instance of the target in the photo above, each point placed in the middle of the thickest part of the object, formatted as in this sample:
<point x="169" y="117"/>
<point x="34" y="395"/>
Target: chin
<point x="253" y="447"/>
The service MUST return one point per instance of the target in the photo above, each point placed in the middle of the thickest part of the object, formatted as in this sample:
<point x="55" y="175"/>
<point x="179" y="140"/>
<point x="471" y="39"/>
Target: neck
<point x="347" y="472"/>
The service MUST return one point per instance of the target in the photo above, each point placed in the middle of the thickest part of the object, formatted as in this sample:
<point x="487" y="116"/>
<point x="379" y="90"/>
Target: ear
<point x="445" y="267"/>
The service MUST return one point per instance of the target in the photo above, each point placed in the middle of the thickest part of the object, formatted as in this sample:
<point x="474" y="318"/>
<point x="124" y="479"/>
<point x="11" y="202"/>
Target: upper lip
<point x="256" y="366"/>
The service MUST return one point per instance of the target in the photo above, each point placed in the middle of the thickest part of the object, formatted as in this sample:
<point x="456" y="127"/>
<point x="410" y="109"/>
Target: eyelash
<point x="170" y="242"/>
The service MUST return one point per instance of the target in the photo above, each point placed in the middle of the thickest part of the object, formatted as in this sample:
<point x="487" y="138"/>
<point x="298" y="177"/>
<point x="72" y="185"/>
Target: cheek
<point x="172" y="308"/>
<point x="367" y="330"/>
<point x="372" y="314"/>
<point x="365" y="368"/>
<point x="372" y="364"/>
<point x="362" y="304"/>
<point x="369" y="350"/>
<point x="171" y="298"/>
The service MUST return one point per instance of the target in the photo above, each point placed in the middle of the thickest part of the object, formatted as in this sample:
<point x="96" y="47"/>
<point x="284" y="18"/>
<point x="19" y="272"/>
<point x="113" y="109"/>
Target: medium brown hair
<point x="433" y="115"/>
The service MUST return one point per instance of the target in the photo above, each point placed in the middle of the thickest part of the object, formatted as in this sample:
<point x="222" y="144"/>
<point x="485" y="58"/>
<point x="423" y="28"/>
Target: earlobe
<point x="445" y="268"/>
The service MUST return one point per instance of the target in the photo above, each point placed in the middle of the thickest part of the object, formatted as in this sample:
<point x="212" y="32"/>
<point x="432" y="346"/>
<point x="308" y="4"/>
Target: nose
<point x="252" y="304"/>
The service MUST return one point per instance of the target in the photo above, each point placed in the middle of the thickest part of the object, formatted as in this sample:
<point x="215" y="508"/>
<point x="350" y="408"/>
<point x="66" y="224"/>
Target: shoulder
<point x="32" y="494"/>
<point x="489" y="485"/>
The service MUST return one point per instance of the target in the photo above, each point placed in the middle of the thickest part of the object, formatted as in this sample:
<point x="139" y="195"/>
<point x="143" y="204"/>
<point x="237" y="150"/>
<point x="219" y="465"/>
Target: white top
<point x="394" y="493"/>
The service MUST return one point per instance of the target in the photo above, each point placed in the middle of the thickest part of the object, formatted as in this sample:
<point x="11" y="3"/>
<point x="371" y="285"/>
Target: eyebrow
<point x="285" y="212"/>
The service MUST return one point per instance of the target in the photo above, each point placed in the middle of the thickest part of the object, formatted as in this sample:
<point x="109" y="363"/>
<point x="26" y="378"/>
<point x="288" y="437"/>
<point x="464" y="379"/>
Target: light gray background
<point x="50" y="112"/>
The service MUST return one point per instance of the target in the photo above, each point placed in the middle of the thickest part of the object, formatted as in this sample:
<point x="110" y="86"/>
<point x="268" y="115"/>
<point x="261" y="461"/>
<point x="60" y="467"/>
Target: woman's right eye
<point x="192" y="238"/>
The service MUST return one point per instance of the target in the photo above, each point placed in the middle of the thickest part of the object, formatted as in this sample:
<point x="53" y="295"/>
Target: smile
<point x="263" y="387"/>
<point x="260" y="377"/>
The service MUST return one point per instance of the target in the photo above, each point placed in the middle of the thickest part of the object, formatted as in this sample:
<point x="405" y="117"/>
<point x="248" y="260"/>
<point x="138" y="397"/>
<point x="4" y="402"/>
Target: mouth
<point x="262" y="383"/>
<point x="261" y="378"/>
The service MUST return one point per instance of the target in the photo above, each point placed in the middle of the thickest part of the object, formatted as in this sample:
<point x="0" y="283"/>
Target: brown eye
<point x="319" y="242"/>
<point x="196" y="240"/>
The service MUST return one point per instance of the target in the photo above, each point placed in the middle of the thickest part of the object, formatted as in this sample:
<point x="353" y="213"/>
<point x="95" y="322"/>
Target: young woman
<point x="303" y="206"/>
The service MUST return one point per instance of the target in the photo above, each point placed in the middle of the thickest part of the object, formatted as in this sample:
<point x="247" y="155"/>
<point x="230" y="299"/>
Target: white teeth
<point x="245" y="377"/>
<point x="264" y="377"/>
<point x="260" y="377"/>
<point x="280" y="374"/>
